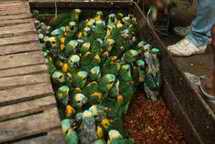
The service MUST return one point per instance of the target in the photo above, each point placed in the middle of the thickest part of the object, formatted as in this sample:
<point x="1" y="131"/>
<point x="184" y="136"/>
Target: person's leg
<point x="196" y="41"/>
<point x="202" y="24"/>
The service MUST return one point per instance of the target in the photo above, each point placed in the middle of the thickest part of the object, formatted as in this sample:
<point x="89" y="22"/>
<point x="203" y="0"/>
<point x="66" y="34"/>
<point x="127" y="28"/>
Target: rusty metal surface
<point x="195" y="117"/>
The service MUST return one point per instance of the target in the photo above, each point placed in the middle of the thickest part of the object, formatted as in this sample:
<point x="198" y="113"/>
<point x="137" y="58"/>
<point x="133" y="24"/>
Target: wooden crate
<point x="28" y="111"/>
<point x="195" y="117"/>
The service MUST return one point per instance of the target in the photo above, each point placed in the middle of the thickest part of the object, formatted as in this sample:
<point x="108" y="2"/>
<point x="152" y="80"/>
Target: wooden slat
<point x="18" y="39"/>
<point x="13" y="11"/>
<point x="30" y="125"/>
<point x="24" y="47"/>
<point x="53" y="137"/>
<point x="14" y="7"/>
<point x="11" y="2"/>
<point x="16" y="81"/>
<point x="26" y="108"/>
<point x="15" y="22"/>
<point x="25" y="93"/>
<point x="21" y="59"/>
<point x="15" y="30"/>
<point x="23" y="70"/>
<point x="14" y="17"/>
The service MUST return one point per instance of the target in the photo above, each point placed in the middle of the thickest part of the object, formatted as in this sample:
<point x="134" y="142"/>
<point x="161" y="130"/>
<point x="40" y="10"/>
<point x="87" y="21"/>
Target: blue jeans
<point x="202" y="24"/>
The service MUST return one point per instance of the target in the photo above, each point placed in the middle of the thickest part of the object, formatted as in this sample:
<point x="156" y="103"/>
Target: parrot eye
<point x="60" y="77"/>
<point x="53" y="43"/>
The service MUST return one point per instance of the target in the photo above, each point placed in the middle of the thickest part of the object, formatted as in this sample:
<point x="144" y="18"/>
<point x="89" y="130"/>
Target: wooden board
<point x="15" y="10"/>
<point x="15" y="22"/>
<point x="24" y="93"/>
<point x="13" y="17"/>
<point x="19" y="48"/>
<point x="29" y="125"/>
<point x="26" y="70"/>
<point x="53" y="137"/>
<point x="25" y="80"/>
<point x="26" y="107"/>
<point x="15" y="30"/>
<point x="18" y="39"/>
<point x="21" y="59"/>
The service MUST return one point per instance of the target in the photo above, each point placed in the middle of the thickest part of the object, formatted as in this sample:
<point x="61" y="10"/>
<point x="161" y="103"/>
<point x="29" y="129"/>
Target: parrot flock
<point x="97" y="64"/>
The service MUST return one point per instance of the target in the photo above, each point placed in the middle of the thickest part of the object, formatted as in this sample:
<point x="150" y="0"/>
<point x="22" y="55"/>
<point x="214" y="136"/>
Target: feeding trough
<point x="186" y="105"/>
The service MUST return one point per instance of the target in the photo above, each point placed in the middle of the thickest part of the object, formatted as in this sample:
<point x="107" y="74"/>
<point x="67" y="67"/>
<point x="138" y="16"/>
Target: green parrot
<point x="95" y="73"/>
<point x="111" y="66"/>
<point x="59" y="32"/>
<point x="125" y="73"/>
<point x="85" y="48"/>
<point x="97" y="46"/>
<point x="140" y="70"/>
<point x="99" y="29"/>
<point x="115" y="90"/>
<point x="79" y="100"/>
<point x="130" y="55"/>
<point x="91" y="90"/>
<point x="71" y="137"/>
<point x="119" y="15"/>
<point x="116" y="138"/>
<point x="65" y="18"/>
<point x="79" y="79"/>
<point x="58" y="77"/>
<point x="111" y="19"/>
<point x="72" y="30"/>
<point x="89" y="60"/>
<point x="74" y="62"/>
<point x="71" y="47"/>
<point x="98" y="110"/>
<point x="106" y="83"/>
<point x="88" y="128"/>
<point x="127" y="90"/>
<point x="152" y="77"/>
<point x="63" y="94"/>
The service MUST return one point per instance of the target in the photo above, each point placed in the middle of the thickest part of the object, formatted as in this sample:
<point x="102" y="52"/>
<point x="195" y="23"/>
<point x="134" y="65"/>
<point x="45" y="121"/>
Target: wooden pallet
<point x="28" y="112"/>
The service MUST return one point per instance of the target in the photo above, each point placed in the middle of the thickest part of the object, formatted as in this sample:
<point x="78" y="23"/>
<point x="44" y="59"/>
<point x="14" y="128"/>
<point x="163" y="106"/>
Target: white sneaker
<point x="185" y="48"/>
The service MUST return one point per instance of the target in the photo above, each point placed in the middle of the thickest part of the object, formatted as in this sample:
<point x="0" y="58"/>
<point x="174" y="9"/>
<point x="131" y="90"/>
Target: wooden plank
<point x="54" y="137"/>
<point x="28" y="126"/>
<point x="18" y="39"/>
<point x="15" y="22"/>
<point x="13" y="5"/>
<point x="21" y="59"/>
<point x="25" y="93"/>
<point x="26" y="108"/>
<point x="26" y="70"/>
<point x="19" y="48"/>
<point x="16" y="11"/>
<point x="18" y="29"/>
<point x="14" y="17"/>
<point x="11" y="1"/>
<point x="13" y="11"/>
<point x="16" y="81"/>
